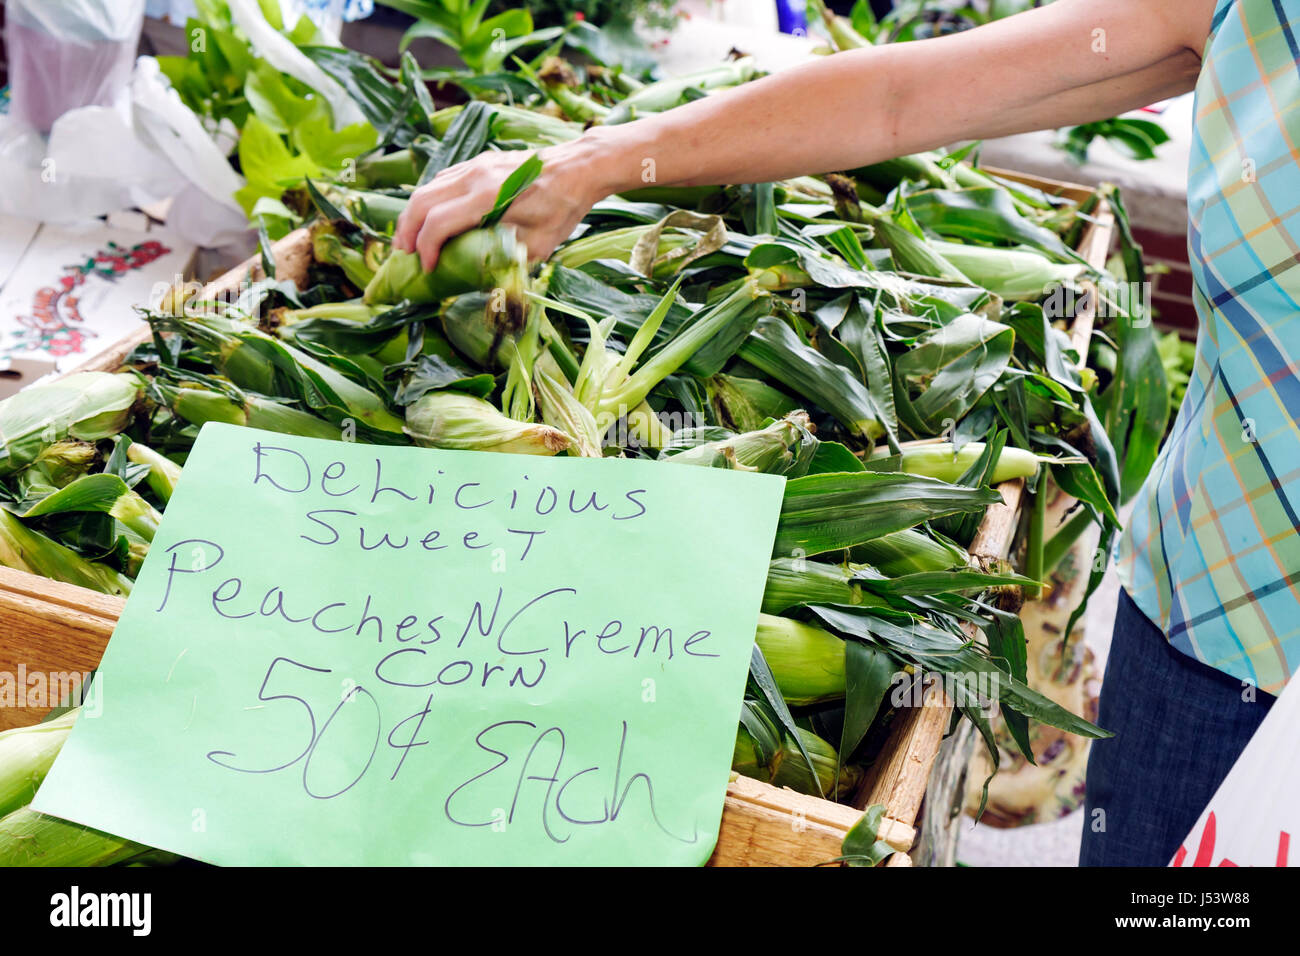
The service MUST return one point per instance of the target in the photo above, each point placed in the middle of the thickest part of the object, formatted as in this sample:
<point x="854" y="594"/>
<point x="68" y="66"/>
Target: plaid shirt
<point x="1212" y="553"/>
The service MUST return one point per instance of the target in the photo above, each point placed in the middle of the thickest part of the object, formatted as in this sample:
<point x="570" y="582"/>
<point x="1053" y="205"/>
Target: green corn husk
<point x="776" y="350"/>
<point x="57" y="465"/>
<point x="793" y="582"/>
<point x="561" y="409"/>
<point x="906" y="552"/>
<point x="575" y="105"/>
<point x="329" y="249"/>
<point x="474" y="261"/>
<point x="24" y="549"/>
<point x="400" y="168"/>
<point x="28" y="838"/>
<point x="514" y="123"/>
<point x="665" y="94"/>
<point x="137" y="549"/>
<point x="777" y="760"/>
<point x="767" y="450"/>
<point x="102" y="493"/>
<point x="936" y="460"/>
<point x="351" y="311"/>
<point x="622" y="391"/>
<point x="163" y="472"/>
<point x="618" y="244"/>
<point x="1014" y="274"/>
<point x="807" y="662"/>
<point x="86" y="406"/>
<point x="199" y="405"/>
<point x="26" y="755"/>
<point x="921" y="167"/>
<point x="475" y="331"/>
<point x="219" y="339"/>
<point x="559" y="81"/>
<point x="746" y="403"/>
<point x="456" y="420"/>
<point x="260" y="363"/>
<point x="821" y="513"/>
<point x="379" y="211"/>
<point x="915" y="255"/>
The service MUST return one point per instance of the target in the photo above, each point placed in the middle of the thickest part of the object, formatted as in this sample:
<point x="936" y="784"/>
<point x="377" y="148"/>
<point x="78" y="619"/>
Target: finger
<point x="440" y="224"/>
<point x="438" y="191"/>
<point x="411" y="219"/>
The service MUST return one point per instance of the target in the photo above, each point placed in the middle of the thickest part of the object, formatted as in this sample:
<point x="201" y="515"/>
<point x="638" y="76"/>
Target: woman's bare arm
<point x="1070" y="62"/>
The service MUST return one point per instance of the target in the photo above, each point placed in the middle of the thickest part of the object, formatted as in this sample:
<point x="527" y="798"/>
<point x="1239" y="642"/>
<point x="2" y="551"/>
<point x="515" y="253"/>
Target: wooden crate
<point x="64" y="628"/>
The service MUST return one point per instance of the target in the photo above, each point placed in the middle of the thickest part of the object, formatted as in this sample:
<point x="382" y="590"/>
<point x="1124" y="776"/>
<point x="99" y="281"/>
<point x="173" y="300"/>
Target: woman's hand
<point x="543" y="215"/>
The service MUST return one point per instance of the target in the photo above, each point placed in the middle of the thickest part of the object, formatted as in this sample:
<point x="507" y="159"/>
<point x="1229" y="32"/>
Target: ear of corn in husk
<point x="329" y="248"/>
<point x="515" y="123"/>
<point x="29" y="838"/>
<point x="86" y="406"/>
<point x="1013" y="274"/>
<point x="56" y="466"/>
<point x="769" y="450"/>
<point x="26" y="755"/>
<point x="474" y="261"/>
<point x="937" y="460"/>
<point x="792" y="582"/>
<point x="807" y="662"/>
<point x="909" y="551"/>
<point x="25" y="549"/>
<point x="665" y="94"/>
<point x="200" y="405"/>
<point x="561" y="409"/>
<point x="746" y="403"/>
<point x="456" y="420"/>
<point x="163" y="472"/>
<point x="105" y="493"/>
<point x="777" y="761"/>
<point x="840" y="28"/>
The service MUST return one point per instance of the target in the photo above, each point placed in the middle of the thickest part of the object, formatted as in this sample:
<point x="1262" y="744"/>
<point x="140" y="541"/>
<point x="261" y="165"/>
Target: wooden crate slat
<point x="764" y="826"/>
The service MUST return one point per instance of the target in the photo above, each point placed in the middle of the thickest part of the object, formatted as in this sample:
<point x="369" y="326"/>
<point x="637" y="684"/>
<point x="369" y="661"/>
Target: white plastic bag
<point x="67" y="148"/>
<point x="204" y="210"/>
<point x="145" y="148"/>
<point x="65" y="54"/>
<point x="1256" y="809"/>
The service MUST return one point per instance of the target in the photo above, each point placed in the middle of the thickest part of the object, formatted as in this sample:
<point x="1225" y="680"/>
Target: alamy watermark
<point x="923" y="688"/>
<point x="40" y="689"/>
<point x="1120" y="300"/>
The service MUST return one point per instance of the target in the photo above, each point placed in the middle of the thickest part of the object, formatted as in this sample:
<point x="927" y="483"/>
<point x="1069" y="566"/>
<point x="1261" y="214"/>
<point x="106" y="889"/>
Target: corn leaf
<point x="861" y="846"/>
<point x="945" y="653"/>
<point x="947" y="371"/>
<point x="868" y="675"/>
<point x="760" y="677"/>
<point x="776" y="350"/>
<point x="985" y="214"/>
<point x="821" y="513"/>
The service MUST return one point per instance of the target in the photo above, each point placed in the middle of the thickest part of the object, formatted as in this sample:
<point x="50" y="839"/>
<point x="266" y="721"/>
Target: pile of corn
<point x="878" y="337"/>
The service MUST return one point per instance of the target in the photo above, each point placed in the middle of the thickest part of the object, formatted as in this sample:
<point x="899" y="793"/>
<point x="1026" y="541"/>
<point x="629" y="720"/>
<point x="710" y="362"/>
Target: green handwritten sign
<point x="348" y="654"/>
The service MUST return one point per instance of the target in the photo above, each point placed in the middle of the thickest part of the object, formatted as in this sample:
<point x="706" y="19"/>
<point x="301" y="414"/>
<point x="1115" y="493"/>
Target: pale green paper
<point x="179" y="683"/>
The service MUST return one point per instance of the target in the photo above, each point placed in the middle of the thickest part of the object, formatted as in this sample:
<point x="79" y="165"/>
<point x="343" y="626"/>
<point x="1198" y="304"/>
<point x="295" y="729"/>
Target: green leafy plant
<point x="484" y="42"/>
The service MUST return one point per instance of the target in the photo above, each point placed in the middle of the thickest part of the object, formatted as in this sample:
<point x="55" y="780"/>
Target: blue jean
<point x="1179" y="726"/>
